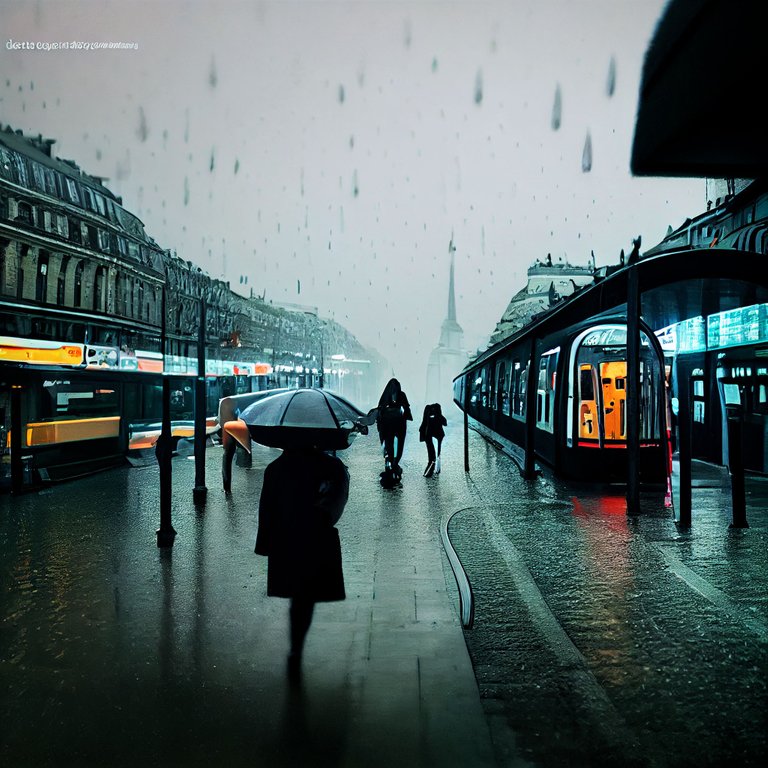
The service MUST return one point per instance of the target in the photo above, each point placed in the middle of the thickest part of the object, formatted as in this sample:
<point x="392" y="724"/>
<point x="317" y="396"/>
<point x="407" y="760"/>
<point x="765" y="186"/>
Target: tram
<point x="580" y="413"/>
<point x="85" y="407"/>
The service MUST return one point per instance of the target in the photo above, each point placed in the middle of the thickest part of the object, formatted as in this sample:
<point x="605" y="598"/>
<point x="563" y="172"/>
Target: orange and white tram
<point x="84" y="407"/>
<point x="580" y="412"/>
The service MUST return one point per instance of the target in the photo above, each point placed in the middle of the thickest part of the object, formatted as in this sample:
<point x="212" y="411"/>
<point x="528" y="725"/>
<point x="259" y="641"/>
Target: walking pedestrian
<point x="431" y="430"/>
<point x="393" y="415"/>
<point x="302" y="499"/>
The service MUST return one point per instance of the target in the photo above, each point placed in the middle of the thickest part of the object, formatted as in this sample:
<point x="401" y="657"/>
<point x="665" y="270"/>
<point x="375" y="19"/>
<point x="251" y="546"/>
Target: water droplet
<point x="237" y="165"/>
<point x="213" y="160"/>
<point x="213" y="77"/>
<point x="434" y="63"/>
<point x="142" y="131"/>
<point x="557" y="109"/>
<point x="479" y="87"/>
<point x="586" y="157"/>
<point x="341" y="94"/>
<point x="611" y="84"/>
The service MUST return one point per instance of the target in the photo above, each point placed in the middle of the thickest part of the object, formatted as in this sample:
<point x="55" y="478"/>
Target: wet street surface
<point x="606" y="640"/>
<point x="598" y="639"/>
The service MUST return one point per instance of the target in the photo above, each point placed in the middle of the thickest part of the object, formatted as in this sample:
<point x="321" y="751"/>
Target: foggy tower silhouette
<point x="449" y="356"/>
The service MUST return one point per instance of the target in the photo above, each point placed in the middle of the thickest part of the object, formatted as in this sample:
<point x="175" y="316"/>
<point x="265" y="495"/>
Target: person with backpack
<point x="393" y="415"/>
<point x="431" y="430"/>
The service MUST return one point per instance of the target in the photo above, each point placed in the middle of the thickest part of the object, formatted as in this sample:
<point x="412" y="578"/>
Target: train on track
<point x="578" y="399"/>
<point x="560" y="382"/>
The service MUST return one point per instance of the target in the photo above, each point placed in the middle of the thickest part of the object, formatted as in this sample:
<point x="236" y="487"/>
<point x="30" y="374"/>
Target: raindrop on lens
<point x="557" y="108"/>
<point x="586" y="156"/>
<point x="611" y="83"/>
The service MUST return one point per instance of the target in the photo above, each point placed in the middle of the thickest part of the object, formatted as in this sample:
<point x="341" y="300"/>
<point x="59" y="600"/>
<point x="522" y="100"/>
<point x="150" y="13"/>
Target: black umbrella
<point x="300" y="417"/>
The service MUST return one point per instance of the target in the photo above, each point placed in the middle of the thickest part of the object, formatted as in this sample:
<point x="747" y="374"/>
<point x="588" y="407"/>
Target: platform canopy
<point x="702" y="92"/>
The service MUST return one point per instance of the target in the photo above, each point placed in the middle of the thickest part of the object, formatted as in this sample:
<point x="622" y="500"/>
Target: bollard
<point x="736" y="467"/>
<point x="684" y="452"/>
<point x="17" y="426"/>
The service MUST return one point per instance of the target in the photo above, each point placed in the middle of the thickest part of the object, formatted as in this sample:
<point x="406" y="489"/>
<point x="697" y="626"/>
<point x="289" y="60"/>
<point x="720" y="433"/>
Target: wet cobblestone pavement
<point x="656" y="649"/>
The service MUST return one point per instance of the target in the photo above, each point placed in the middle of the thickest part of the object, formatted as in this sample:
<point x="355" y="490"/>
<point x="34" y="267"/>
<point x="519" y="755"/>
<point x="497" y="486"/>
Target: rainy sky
<point x="325" y="153"/>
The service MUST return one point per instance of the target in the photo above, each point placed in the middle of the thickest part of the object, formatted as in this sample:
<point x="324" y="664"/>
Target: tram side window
<point x="78" y="400"/>
<point x="761" y="401"/>
<point x="501" y="394"/>
<point x="504" y="391"/>
<point x="541" y="389"/>
<point x="546" y="392"/>
<point x="478" y="392"/>
<point x="517" y="387"/>
<point x="699" y="405"/>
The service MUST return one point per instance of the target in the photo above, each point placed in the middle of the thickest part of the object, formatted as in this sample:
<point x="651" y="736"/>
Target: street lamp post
<point x="164" y="445"/>
<point x="200" y="491"/>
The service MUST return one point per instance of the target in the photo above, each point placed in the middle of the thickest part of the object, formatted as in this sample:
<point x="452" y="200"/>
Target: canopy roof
<point x="699" y="111"/>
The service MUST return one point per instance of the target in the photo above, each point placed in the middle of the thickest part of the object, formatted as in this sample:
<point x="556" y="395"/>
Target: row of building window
<point x="132" y="298"/>
<point x="74" y="230"/>
<point x="33" y="175"/>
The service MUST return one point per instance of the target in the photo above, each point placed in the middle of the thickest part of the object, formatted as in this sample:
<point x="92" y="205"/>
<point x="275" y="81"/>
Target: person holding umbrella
<point x="393" y="415"/>
<point x="302" y="498"/>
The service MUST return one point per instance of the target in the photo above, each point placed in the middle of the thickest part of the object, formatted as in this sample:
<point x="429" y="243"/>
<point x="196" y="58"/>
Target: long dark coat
<point x="394" y="412"/>
<point x="303" y="495"/>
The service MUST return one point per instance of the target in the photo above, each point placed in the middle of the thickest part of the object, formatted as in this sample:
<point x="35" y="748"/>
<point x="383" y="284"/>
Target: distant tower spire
<point x="449" y="356"/>
<point x="451" y="295"/>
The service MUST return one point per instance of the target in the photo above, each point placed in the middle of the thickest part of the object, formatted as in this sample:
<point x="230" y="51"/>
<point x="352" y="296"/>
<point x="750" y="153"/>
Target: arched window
<point x="20" y="273"/>
<point x="118" y="294"/>
<point x="61" y="285"/>
<point x="139" y="299"/>
<point x="41" y="284"/>
<point x="128" y="298"/>
<point x="3" y="246"/>
<point x="25" y="213"/>
<point x="98" y="289"/>
<point x="79" y="283"/>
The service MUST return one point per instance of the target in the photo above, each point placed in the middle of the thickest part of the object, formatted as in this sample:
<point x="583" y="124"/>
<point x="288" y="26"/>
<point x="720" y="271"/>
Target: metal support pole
<point x="17" y="468"/>
<point x="164" y="450"/>
<point x="684" y="446"/>
<point x="633" y="391"/>
<point x="466" y="442"/>
<point x="736" y="468"/>
<point x="200" y="492"/>
<point x="529" y="467"/>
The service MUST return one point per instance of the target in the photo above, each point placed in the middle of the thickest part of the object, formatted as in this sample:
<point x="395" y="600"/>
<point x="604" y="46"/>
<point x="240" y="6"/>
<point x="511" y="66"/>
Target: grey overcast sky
<point x="326" y="152"/>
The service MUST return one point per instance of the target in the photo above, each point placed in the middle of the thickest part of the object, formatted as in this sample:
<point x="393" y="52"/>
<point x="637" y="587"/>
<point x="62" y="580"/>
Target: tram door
<point x="588" y="421"/>
<point x="613" y="379"/>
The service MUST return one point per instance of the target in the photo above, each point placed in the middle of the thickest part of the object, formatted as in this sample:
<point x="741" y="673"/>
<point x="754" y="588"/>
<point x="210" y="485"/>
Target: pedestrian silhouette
<point x="302" y="499"/>
<point x="431" y="430"/>
<point x="393" y="414"/>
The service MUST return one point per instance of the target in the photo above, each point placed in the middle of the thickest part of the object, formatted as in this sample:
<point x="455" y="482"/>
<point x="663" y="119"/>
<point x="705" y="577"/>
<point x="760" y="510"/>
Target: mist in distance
<point x="326" y="153"/>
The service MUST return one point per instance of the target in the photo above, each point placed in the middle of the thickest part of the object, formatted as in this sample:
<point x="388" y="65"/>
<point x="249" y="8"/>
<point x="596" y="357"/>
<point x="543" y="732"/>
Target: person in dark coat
<point x="302" y="498"/>
<point x="431" y="430"/>
<point x="393" y="415"/>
